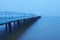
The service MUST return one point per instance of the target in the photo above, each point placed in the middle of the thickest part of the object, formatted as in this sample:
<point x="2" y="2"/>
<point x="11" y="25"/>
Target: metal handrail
<point x="6" y="14"/>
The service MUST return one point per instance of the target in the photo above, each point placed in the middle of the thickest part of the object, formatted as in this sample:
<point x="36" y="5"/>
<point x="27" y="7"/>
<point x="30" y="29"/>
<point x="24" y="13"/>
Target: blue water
<point x="46" y="28"/>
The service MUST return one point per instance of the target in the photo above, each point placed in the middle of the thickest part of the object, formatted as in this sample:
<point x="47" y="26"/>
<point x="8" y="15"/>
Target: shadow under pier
<point x="14" y="29"/>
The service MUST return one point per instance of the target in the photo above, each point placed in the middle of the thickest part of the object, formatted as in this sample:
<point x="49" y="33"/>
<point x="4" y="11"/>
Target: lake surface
<point x="46" y="28"/>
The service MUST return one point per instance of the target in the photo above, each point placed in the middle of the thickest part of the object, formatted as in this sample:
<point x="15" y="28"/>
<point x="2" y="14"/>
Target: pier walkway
<point x="7" y="21"/>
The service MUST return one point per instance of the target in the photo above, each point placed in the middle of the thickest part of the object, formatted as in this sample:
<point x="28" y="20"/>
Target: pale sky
<point x="40" y="7"/>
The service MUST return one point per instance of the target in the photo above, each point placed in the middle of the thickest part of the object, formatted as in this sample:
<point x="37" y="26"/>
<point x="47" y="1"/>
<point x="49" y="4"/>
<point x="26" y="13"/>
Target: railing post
<point x="1" y="15"/>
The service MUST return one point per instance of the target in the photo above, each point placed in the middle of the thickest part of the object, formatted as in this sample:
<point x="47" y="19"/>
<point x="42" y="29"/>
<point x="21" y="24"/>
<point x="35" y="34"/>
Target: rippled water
<point x="46" y="28"/>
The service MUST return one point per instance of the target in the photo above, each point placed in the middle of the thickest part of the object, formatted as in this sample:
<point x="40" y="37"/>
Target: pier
<point x="12" y="17"/>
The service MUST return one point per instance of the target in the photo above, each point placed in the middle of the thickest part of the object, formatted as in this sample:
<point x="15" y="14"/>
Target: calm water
<point x="46" y="28"/>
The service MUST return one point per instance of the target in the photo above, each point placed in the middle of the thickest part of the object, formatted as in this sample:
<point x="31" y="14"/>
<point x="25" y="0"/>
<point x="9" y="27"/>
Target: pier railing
<point x="6" y="14"/>
<point x="6" y="18"/>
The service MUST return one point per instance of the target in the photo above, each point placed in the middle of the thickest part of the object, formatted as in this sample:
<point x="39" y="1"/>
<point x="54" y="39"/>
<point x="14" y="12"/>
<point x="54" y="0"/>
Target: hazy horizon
<point x="40" y="7"/>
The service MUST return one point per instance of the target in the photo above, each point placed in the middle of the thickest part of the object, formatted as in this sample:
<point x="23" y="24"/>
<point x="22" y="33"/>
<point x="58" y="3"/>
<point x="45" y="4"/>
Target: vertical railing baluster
<point x="5" y="14"/>
<point x="1" y="15"/>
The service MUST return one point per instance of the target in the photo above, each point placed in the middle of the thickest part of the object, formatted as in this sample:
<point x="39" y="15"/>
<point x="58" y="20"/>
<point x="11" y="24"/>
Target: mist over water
<point x="39" y="7"/>
<point x="46" y="28"/>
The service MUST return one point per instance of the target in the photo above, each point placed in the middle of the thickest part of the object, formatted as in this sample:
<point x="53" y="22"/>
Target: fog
<point x="39" y="7"/>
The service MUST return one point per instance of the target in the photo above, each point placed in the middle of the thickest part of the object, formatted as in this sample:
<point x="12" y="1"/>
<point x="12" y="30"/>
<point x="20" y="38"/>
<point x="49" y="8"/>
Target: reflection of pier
<point x="24" y="19"/>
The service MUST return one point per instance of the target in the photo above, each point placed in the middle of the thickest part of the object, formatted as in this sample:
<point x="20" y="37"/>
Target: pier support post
<point x="10" y="27"/>
<point x="6" y="26"/>
<point x="24" y="22"/>
<point x="14" y="24"/>
<point x="29" y="20"/>
<point x="32" y="20"/>
<point x="18" y="23"/>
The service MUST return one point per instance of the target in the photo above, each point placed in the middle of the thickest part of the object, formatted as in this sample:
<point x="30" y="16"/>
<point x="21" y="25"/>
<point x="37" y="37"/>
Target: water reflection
<point x="47" y="28"/>
<point x="16" y="32"/>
